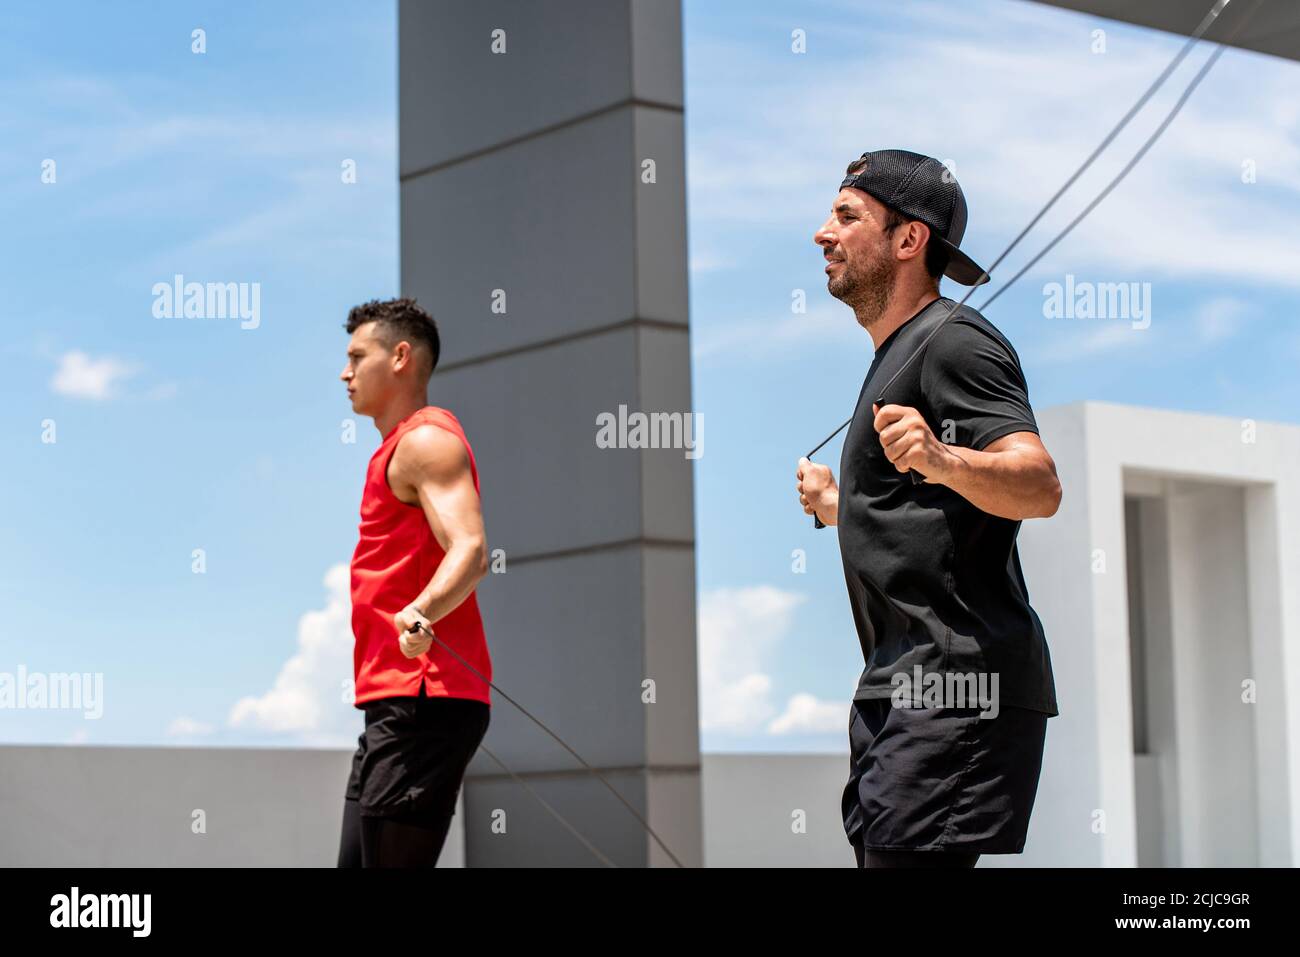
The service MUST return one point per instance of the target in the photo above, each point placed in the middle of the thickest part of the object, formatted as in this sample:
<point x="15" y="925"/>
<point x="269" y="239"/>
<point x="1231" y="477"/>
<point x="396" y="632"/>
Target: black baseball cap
<point x="920" y="187"/>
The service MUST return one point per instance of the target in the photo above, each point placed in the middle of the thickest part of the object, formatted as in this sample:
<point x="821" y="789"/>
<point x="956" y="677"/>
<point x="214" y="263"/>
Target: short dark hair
<point x="399" y="319"/>
<point x="936" y="257"/>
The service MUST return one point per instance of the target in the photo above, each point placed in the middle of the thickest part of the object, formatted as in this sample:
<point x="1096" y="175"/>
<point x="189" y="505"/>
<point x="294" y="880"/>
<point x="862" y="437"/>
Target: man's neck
<point x="899" y="311"/>
<point x="387" y="420"/>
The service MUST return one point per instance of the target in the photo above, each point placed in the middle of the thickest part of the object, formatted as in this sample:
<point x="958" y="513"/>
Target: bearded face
<point x="864" y="278"/>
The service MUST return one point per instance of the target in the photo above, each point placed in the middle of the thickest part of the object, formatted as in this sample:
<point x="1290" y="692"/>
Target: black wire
<point x="1192" y="39"/>
<point x="1151" y="140"/>
<point x="554" y="813"/>
<point x="538" y="721"/>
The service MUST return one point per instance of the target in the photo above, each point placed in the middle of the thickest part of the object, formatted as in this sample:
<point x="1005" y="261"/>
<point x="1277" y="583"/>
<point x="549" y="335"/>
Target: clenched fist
<point x="416" y="643"/>
<point x="909" y="444"/>
<point x="818" y="493"/>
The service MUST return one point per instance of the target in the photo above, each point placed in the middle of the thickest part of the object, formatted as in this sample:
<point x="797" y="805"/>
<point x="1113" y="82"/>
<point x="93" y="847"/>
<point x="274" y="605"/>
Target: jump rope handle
<point x="817" y="521"/>
<point x="917" y="479"/>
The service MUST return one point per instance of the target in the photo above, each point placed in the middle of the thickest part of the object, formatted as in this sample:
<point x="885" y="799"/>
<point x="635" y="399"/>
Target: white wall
<point x="1231" y="505"/>
<point x="134" y="807"/>
<point x="77" y="806"/>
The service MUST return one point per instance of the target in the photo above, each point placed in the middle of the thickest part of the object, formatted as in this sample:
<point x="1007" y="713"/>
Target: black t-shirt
<point x="934" y="581"/>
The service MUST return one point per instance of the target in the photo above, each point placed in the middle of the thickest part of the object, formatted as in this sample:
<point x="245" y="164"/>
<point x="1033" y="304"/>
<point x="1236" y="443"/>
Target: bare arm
<point x="1013" y="477"/>
<point x="430" y="468"/>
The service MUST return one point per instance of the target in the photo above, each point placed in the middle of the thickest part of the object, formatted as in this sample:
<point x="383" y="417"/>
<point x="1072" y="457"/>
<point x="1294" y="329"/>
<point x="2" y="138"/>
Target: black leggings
<point x="389" y="842"/>
<point x="869" y="857"/>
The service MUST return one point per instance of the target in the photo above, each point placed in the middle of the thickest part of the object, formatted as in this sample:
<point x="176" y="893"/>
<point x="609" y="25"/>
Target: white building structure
<point x="1169" y="587"/>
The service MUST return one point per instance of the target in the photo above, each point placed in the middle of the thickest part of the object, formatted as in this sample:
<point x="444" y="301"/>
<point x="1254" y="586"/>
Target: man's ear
<point x="914" y="240"/>
<point x="402" y="352"/>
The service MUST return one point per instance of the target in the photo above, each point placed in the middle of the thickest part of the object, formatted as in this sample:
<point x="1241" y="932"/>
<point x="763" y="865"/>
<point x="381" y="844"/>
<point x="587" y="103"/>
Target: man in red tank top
<point x="420" y="553"/>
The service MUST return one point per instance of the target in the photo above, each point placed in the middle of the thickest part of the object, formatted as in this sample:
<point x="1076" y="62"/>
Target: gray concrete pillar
<point x="558" y="278"/>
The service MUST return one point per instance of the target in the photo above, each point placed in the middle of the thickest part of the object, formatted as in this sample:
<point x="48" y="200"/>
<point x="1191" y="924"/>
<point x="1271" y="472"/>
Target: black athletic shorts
<point x="412" y="756"/>
<point x="941" y="778"/>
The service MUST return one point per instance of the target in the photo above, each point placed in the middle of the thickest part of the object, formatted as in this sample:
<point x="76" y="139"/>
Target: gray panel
<point x="1274" y="29"/>
<point x="550" y="222"/>
<point x="132" y="807"/>
<point x="566" y="641"/>
<point x="531" y="419"/>
<point x="749" y="806"/>
<point x="533" y="838"/>
<point x="563" y="59"/>
<point x="661" y="270"/>
<point x="667" y="499"/>
<point x="673" y="726"/>
<point x="657" y="51"/>
<point x="522" y="173"/>
<point x="670" y="792"/>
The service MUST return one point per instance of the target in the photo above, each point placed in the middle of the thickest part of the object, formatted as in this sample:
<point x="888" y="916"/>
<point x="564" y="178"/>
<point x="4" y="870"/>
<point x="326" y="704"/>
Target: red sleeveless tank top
<point x="396" y="555"/>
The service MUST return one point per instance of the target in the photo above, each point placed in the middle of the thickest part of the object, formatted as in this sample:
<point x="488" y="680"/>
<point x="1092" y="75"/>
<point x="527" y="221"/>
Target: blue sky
<point x="222" y="165"/>
<point x="173" y="436"/>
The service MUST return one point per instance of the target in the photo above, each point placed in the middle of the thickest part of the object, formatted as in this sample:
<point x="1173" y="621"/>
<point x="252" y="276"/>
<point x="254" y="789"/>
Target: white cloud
<point x="1220" y="318"/>
<point x="82" y="377"/>
<point x="808" y="714"/>
<point x="185" y="727"/>
<point x="307" y="695"/>
<point x="741" y="631"/>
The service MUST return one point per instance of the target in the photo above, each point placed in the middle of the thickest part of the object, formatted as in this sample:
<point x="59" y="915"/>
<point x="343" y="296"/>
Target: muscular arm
<point x="430" y="468"/>
<point x="1013" y="477"/>
<point x="974" y="386"/>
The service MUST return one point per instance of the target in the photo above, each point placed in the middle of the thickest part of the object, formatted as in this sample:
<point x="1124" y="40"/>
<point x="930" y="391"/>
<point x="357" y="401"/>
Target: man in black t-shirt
<point x="941" y="463"/>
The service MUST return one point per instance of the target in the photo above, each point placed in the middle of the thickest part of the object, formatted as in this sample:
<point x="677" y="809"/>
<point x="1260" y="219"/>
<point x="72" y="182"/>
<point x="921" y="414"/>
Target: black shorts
<point x="412" y="756"/>
<point x="941" y="778"/>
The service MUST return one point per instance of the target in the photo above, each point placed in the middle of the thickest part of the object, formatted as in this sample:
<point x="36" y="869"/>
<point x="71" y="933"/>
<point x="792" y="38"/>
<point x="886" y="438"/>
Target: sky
<point x="171" y="436"/>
